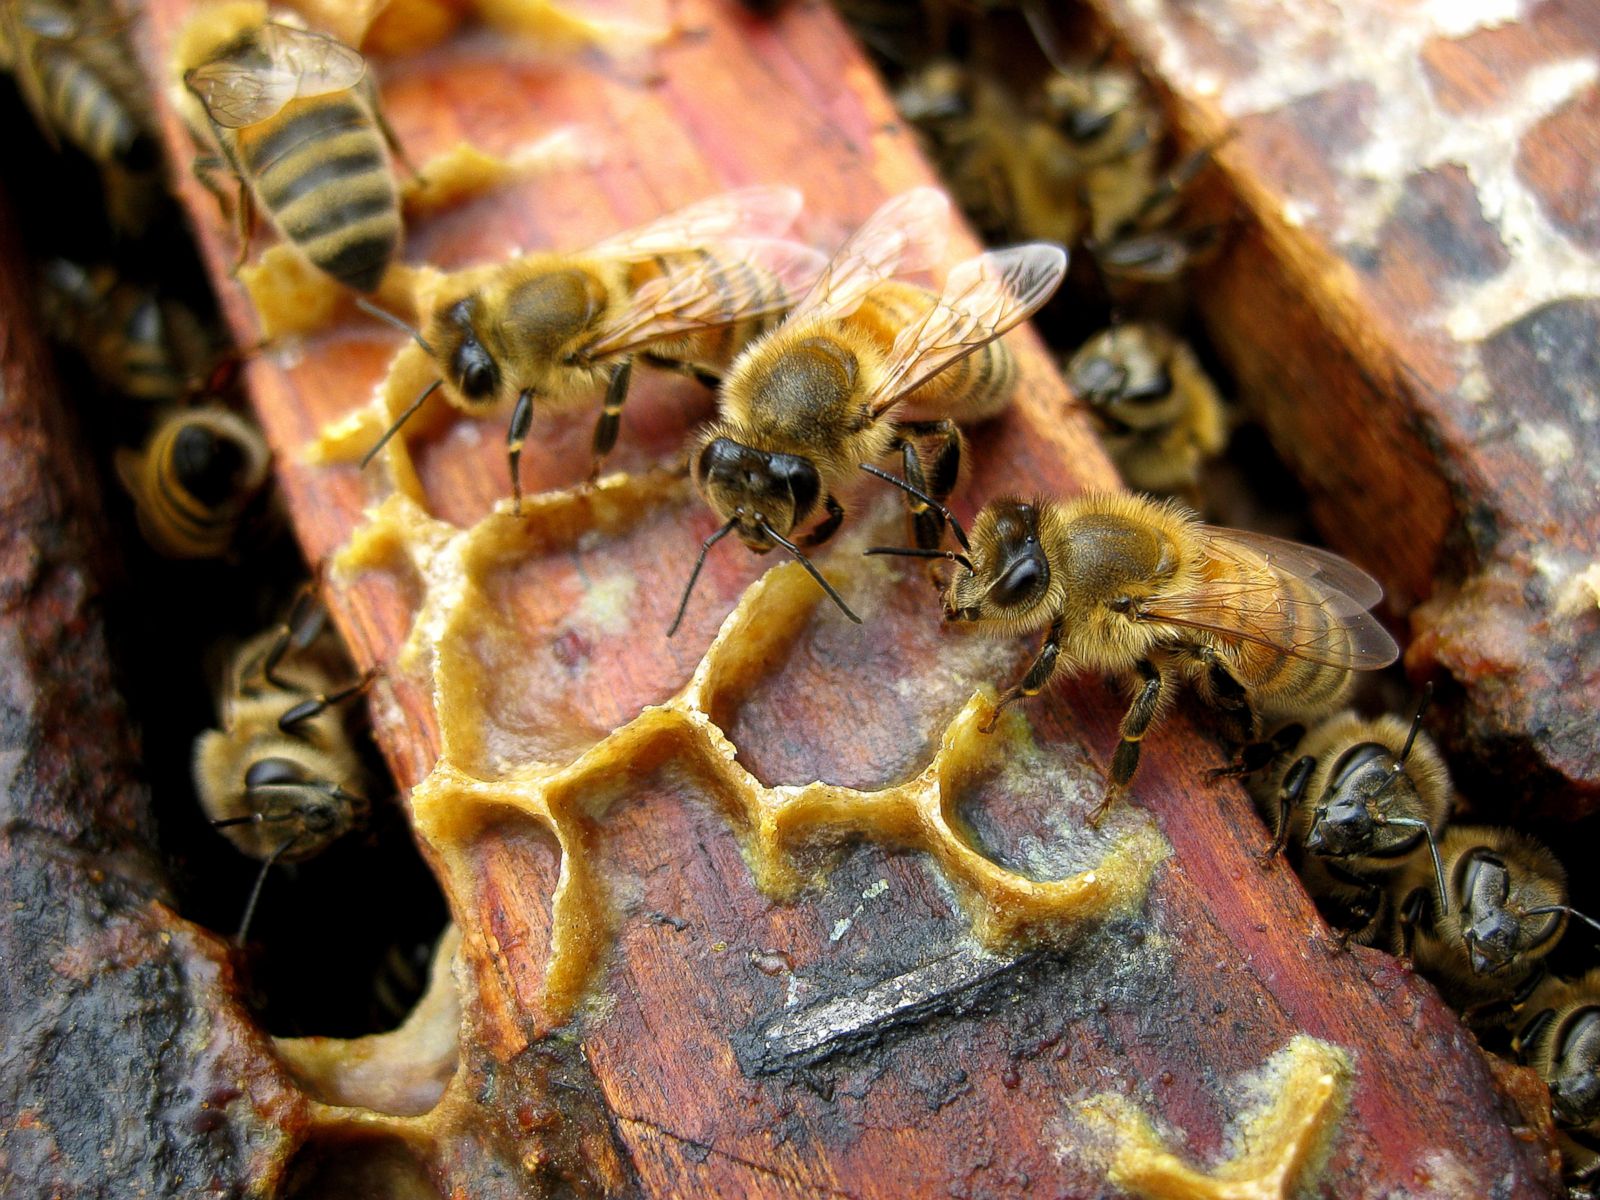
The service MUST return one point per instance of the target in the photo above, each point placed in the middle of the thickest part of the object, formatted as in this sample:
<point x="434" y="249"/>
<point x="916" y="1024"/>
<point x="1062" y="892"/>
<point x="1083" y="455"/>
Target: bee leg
<point x="320" y="702"/>
<point x="1410" y="914"/>
<point x="204" y="168"/>
<point x="387" y="130"/>
<point x="701" y="375"/>
<point x="1257" y="755"/>
<point x="1290" y="794"/>
<point x="305" y="622"/>
<point x="927" y="526"/>
<point x="1044" y="666"/>
<point x="828" y="526"/>
<point x="1135" y="723"/>
<point x="244" y="225"/>
<point x="605" y="429"/>
<point x="516" y="435"/>
<point x="1228" y="694"/>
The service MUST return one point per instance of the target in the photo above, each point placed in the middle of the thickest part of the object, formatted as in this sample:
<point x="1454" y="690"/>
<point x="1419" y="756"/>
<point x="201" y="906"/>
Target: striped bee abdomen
<point x="87" y="109"/>
<point x="195" y="481"/>
<point x="742" y="285"/>
<point x="974" y="388"/>
<point x="321" y="171"/>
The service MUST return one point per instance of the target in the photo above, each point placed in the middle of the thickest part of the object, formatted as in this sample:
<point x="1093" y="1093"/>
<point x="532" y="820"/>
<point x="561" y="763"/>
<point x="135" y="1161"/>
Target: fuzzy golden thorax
<point x="521" y="327"/>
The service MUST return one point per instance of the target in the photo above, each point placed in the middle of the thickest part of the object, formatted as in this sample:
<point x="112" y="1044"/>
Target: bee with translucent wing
<point x="1262" y="628"/>
<point x="547" y="331"/>
<point x="294" y="116"/>
<point x="865" y="366"/>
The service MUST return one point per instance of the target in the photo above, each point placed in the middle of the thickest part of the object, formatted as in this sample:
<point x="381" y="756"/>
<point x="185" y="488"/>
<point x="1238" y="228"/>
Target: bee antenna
<point x="694" y="575"/>
<point x="1564" y="908"/>
<point x="1398" y="767"/>
<point x="909" y="489"/>
<point x="1423" y="701"/>
<point x="810" y="569"/>
<point x="920" y="552"/>
<point x="399" y="323"/>
<point x="411" y="411"/>
<point x="1433" y="849"/>
<point x="1046" y="35"/>
<point x="255" y="890"/>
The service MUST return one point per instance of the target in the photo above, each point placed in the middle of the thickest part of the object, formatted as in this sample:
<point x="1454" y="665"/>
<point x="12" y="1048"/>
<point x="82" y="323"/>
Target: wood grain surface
<point x="718" y="1046"/>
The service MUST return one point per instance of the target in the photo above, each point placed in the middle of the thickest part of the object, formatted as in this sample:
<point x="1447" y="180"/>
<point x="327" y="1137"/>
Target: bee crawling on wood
<point x="1263" y="628"/>
<point x="546" y="331"/>
<point x="294" y="116"/>
<point x="865" y="367"/>
<point x="281" y="779"/>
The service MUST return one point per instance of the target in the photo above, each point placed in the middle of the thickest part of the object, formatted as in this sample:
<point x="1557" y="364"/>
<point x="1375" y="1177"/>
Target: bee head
<point x="1575" y="1090"/>
<point x="1492" y="924"/>
<point x="1011" y="572"/>
<point x="1366" y="786"/>
<point x="288" y="792"/>
<point x="762" y="492"/>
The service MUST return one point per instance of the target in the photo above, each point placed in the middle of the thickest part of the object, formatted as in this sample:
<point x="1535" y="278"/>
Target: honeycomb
<point x="476" y="782"/>
<point x="1277" y="1140"/>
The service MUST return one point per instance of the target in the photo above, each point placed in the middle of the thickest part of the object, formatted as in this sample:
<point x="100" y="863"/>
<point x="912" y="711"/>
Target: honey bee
<point x="1357" y="800"/>
<point x="1160" y="416"/>
<point x="277" y="778"/>
<point x="1504" y="909"/>
<point x="686" y="292"/>
<point x="1262" y="627"/>
<point x="294" y="117"/>
<point x="78" y="76"/>
<point x="864" y="367"/>
<point x="196" y="482"/>
<point x="1560" y="1039"/>
<point x="134" y="341"/>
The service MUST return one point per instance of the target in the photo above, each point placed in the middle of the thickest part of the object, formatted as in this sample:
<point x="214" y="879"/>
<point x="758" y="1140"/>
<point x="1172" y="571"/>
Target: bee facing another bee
<point x="1263" y="628"/>
<point x="276" y="779"/>
<point x="196" y="482"/>
<point x="865" y="367"/>
<point x="687" y="291"/>
<point x="295" y="118"/>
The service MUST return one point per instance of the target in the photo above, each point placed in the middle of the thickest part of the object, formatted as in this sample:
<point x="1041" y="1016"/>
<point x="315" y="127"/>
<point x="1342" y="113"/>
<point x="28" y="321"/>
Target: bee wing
<point x="736" y="282"/>
<point x="906" y="233"/>
<point x="755" y="212"/>
<point x="982" y="299"/>
<point x="1330" y="624"/>
<point x="279" y="64"/>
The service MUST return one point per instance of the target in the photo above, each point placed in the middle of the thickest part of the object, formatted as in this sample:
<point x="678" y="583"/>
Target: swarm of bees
<point x="826" y="369"/>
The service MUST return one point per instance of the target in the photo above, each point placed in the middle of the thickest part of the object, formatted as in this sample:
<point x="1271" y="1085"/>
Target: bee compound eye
<point x="1021" y="579"/>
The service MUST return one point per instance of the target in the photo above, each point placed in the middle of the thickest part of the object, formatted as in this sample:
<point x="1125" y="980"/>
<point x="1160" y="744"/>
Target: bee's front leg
<point x="1039" y="673"/>
<point x="828" y="526"/>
